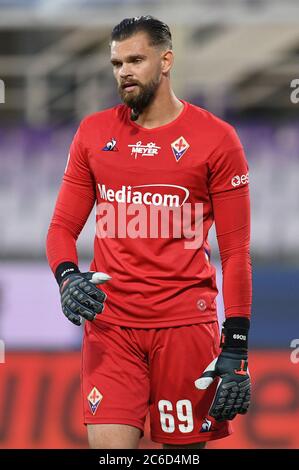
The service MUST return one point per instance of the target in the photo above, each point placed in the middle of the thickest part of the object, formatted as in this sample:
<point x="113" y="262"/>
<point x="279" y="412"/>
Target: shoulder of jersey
<point x="101" y="117"/>
<point x="207" y="118"/>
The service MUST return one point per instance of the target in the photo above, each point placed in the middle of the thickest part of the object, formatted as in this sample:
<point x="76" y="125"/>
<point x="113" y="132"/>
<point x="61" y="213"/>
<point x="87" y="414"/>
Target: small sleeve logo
<point x="237" y="180"/>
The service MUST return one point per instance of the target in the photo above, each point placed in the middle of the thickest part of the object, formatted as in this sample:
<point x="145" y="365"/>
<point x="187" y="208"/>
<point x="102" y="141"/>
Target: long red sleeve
<point x="75" y="201"/>
<point x="232" y="220"/>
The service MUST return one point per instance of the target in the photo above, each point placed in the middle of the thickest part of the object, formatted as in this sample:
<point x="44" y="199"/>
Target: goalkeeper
<point x="151" y="339"/>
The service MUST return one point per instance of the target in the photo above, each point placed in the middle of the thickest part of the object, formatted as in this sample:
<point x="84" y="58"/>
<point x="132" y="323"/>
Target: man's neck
<point x="163" y="110"/>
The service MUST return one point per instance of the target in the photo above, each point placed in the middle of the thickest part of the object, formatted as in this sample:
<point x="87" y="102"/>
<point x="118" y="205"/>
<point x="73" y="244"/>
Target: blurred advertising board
<point x="40" y="403"/>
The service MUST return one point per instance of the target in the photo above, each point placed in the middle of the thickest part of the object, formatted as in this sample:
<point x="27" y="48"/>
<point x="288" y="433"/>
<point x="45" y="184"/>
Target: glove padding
<point x="233" y="391"/>
<point x="81" y="298"/>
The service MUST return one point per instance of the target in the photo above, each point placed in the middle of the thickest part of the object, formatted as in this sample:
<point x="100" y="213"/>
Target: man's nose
<point x="125" y="71"/>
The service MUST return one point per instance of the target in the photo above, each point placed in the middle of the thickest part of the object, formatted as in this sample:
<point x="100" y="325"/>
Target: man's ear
<point x="167" y="60"/>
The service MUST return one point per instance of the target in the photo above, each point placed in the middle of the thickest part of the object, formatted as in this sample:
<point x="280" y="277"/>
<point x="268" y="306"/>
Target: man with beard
<point x="155" y="347"/>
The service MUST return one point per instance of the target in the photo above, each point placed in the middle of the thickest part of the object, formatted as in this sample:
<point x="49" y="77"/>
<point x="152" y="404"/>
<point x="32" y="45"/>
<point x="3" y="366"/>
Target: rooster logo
<point x="110" y="146"/>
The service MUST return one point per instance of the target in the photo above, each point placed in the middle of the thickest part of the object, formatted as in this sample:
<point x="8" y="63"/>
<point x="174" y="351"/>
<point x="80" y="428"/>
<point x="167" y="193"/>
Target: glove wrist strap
<point x="235" y="333"/>
<point x="65" y="269"/>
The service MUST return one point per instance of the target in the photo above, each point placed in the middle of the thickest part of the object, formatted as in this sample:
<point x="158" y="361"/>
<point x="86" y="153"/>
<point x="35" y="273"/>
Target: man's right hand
<point x="80" y="297"/>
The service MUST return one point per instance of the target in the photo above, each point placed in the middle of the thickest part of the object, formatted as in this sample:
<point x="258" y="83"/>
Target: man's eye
<point x="137" y="61"/>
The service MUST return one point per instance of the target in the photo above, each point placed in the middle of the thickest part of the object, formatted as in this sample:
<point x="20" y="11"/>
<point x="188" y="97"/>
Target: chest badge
<point x="110" y="146"/>
<point x="179" y="147"/>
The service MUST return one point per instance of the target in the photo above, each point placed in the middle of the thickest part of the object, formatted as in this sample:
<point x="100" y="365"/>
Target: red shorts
<point x="127" y="372"/>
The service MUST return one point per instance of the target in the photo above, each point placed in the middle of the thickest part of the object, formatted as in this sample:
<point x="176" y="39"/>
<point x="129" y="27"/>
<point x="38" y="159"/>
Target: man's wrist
<point x="65" y="269"/>
<point x="234" y="335"/>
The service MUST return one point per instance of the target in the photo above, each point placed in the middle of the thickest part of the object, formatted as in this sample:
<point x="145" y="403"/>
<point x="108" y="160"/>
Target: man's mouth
<point x="129" y="86"/>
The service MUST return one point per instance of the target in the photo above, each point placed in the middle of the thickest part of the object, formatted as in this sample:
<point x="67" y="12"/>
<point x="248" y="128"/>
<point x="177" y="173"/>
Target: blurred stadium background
<point x="237" y="59"/>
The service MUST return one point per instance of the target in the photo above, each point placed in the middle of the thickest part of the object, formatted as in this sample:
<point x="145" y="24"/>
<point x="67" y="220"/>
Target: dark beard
<point x="140" y="101"/>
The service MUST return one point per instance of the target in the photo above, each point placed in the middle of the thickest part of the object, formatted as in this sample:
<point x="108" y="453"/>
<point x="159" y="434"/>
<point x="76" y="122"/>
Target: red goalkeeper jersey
<point x="157" y="193"/>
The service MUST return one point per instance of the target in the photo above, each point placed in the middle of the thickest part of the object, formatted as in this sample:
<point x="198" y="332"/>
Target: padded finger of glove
<point x="79" y="308"/>
<point x="71" y="316"/>
<point x="231" y="398"/>
<point x="84" y="292"/>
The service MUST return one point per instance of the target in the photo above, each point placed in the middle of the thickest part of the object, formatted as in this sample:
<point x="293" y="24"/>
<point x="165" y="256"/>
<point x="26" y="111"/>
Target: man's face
<point x="137" y="69"/>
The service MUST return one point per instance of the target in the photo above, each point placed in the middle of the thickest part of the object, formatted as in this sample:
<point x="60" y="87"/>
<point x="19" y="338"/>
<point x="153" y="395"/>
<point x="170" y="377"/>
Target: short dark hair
<point x="158" y="32"/>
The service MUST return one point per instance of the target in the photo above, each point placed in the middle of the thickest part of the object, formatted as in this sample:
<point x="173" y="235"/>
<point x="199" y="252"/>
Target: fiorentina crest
<point x="179" y="147"/>
<point x="94" y="399"/>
